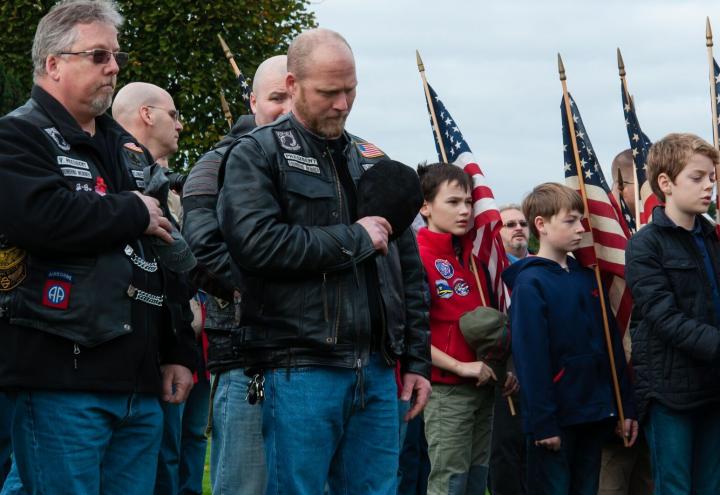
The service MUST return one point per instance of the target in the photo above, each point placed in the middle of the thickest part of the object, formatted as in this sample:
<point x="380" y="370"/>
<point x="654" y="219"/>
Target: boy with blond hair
<point x="672" y="268"/>
<point x="560" y="352"/>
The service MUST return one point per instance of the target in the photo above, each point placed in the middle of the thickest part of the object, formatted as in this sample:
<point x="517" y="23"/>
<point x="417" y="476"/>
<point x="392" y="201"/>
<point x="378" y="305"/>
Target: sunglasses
<point x="513" y="223"/>
<point x="101" y="57"/>
<point x="174" y="114"/>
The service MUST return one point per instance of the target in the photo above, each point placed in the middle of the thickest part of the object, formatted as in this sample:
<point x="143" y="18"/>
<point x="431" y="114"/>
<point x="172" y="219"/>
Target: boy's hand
<point x="552" y="443"/>
<point x="630" y="431"/>
<point x="511" y="385"/>
<point x="477" y="369"/>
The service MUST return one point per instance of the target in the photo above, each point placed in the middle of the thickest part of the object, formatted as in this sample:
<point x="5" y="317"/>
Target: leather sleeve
<point x="251" y="220"/>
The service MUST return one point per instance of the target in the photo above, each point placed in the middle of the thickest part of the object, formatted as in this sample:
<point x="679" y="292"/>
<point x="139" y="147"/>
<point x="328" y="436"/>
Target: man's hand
<point x="177" y="382"/>
<point x="552" y="443"/>
<point x="159" y="226"/>
<point x="379" y="230"/>
<point x="478" y="370"/>
<point x="511" y="385"/>
<point x="630" y="432"/>
<point x="418" y="386"/>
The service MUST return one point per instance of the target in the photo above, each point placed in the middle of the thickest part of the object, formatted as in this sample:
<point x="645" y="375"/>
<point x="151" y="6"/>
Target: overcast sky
<point x="494" y="66"/>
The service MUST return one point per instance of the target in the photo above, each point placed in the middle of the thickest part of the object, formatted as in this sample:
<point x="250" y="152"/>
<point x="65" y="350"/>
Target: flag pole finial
<point x="708" y="33"/>
<point x="621" y="63"/>
<point x="225" y="48"/>
<point x="421" y="66"/>
<point x="561" y="68"/>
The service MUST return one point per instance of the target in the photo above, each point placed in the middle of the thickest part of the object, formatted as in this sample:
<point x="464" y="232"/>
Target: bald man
<point x="329" y="304"/>
<point x="148" y="113"/>
<point x="237" y="456"/>
<point x="623" y="163"/>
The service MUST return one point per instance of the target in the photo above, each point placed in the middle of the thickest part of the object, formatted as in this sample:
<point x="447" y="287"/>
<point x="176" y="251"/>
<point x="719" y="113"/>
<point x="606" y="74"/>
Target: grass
<point x="207" y="489"/>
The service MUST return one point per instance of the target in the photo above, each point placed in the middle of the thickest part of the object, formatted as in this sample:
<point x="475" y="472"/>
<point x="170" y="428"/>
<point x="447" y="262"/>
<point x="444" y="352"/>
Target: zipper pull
<point x="361" y="382"/>
<point x="76" y="352"/>
<point x="324" y="297"/>
<point x="350" y="254"/>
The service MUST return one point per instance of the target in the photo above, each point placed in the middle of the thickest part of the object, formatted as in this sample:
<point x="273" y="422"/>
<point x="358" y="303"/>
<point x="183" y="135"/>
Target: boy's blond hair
<point x="547" y="200"/>
<point x="671" y="155"/>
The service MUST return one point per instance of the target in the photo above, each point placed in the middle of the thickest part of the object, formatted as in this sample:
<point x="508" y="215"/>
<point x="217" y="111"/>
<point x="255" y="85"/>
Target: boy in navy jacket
<point x="560" y="352"/>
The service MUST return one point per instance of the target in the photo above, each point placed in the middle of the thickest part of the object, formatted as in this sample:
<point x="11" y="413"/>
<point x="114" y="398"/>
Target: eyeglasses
<point x="101" y="57"/>
<point x="174" y="114"/>
<point x="513" y="223"/>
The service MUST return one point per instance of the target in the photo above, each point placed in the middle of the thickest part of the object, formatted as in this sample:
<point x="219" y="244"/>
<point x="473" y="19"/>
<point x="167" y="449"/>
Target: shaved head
<point x="302" y="49"/>
<point x="148" y="113"/>
<point x="271" y="69"/>
<point x="270" y="97"/>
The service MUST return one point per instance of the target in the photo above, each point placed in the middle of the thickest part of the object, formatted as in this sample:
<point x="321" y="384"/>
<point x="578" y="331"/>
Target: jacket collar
<point x="660" y="218"/>
<point x="442" y="244"/>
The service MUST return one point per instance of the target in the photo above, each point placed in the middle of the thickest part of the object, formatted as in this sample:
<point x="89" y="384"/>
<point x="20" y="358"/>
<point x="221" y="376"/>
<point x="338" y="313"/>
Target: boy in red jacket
<point x="458" y="417"/>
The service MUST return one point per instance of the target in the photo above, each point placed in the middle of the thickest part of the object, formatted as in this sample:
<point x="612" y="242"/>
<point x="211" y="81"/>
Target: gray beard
<point x="101" y="104"/>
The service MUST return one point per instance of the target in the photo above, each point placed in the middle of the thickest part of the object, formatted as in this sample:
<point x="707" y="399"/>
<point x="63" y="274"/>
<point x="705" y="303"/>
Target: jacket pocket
<point x="580" y="377"/>
<point x="81" y="299"/>
<point x="686" y="282"/>
<point x="311" y="200"/>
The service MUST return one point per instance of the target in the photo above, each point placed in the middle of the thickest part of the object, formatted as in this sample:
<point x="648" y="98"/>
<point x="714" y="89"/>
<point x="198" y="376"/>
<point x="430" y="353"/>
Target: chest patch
<point x="56" y="292"/>
<point x="58" y="138"/>
<point x="369" y="150"/>
<point x="74" y="172"/>
<point x="443" y="289"/>
<point x="66" y="160"/>
<point x="12" y="268"/>
<point x="461" y="287"/>
<point x="444" y="268"/>
<point x="305" y="163"/>
<point x="287" y="140"/>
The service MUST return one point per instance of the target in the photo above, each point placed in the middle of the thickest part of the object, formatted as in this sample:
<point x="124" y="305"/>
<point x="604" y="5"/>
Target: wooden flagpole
<point x="713" y="106"/>
<point x="226" y="109"/>
<point x="636" y="186"/>
<point x="581" y="183"/>
<point x="438" y="136"/>
<point x="229" y="56"/>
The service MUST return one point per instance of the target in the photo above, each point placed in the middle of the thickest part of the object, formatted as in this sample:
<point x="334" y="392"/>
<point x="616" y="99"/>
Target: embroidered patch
<point x="140" y="184"/>
<point x="445" y="268"/>
<point x="287" y="140"/>
<point x="461" y="287"/>
<point x="138" y="174"/>
<point x="83" y="187"/>
<point x="66" y="160"/>
<point x="12" y="268"/>
<point x="369" y="150"/>
<point x="73" y="172"/>
<point x="133" y="147"/>
<point x="308" y="160"/>
<point x="56" y="292"/>
<point x="57" y="137"/>
<point x="367" y="166"/>
<point x="443" y="289"/>
<point x="100" y="186"/>
<point x="307" y="168"/>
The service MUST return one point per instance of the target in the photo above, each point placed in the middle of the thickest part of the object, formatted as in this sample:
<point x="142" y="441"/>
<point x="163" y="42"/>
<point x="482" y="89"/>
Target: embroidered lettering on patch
<point x="83" y="187"/>
<point x="369" y="150"/>
<point x="299" y="158"/>
<point x="56" y="292"/>
<point x="57" y="137"/>
<point x="66" y="160"/>
<point x="138" y="174"/>
<point x="73" y="172"/>
<point x="12" y="268"/>
<point x="287" y="140"/>
<point x="307" y="168"/>
<point x="443" y="289"/>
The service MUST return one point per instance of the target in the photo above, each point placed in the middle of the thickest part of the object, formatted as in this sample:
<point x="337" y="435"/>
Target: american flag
<point x="640" y="146"/>
<point x="245" y="90"/>
<point x="605" y="245"/>
<point x="487" y="246"/>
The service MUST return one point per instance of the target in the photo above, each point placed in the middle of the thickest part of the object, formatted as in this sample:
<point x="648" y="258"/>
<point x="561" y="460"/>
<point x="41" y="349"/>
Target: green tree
<point x="12" y="92"/>
<point x="173" y="44"/>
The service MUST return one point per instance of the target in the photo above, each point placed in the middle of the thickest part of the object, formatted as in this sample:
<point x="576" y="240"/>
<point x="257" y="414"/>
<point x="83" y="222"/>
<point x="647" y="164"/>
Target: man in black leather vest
<point x="329" y="304"/>
<point x="90" y="331"/>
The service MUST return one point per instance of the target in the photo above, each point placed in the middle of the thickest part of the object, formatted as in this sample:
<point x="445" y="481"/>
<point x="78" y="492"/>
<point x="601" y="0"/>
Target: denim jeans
<point x="5" y="442"/>
<point x="86" y="443"/>
<point x="575" y="468"/>
<point x="237" y="454"/>
<point x="182" y="452"/>
<point x="684" y="449"/>
<point x="331" y="424"/>
<point x="414" y="462"/>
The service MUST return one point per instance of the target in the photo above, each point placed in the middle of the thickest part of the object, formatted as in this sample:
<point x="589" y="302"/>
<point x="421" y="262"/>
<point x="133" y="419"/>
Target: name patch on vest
<point x="73" y="172"/>
<point x="66" y="160"/>
<point x="306" y="163"/>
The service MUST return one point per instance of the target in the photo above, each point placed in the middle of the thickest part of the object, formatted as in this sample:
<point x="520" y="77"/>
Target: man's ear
<point x="253" y="103"/>
<point x="52" y="68"/>
<point x="291" y="83"/>
<point x="539" y="224"/>
<point x="665" y="184"/>
<point x="145" y="115"/>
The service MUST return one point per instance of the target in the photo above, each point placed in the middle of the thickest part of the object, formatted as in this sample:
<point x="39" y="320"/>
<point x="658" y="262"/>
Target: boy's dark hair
<point x="672" y="153"/>
<point x="436" y="174"/>
<point x="547" y="200"/>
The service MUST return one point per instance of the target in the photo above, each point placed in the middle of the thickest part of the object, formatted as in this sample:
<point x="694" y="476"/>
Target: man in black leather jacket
<point x="89" y="342"/>
<point x="237" y="460"/>
<point x="328" y="303"/>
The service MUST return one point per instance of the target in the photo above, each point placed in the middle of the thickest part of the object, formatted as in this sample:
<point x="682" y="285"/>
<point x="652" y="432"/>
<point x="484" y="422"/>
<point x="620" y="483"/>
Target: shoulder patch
<point x="287" y="139"/>
<point x="58" y="138"/>
<point x="133" y="147"/>
<point x="369" y="150"/>
<point x="12" y="268"/>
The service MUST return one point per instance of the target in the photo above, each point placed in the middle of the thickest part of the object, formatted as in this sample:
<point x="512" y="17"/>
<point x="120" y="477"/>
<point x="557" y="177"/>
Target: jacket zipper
<point x="340" y="214"/>
<point x="76" y="353"/>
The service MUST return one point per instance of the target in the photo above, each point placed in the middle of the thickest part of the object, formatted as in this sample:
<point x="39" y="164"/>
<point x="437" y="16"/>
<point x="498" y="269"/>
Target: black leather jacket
<point x="202" y="232"/>
<point x="674" y="327"/>
<point x="301" y="261"/>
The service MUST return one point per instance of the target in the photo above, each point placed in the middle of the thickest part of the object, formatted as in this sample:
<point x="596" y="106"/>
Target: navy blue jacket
<point x="559" y="347"/>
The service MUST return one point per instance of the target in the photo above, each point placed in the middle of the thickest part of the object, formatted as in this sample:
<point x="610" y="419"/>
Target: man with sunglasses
<point x="90" y="333"/>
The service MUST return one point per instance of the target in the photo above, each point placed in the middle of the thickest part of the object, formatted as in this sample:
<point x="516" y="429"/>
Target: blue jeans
<point x="575" y="468"/>
<point x="684" y="449"/>
<point x="414" y="462"/>
<point x="5" y="442"/>
<point x="316" y="430"/>
<point x="237" y="453"/>
<point x="182" y="452"/>
<point x="86" y="443"/>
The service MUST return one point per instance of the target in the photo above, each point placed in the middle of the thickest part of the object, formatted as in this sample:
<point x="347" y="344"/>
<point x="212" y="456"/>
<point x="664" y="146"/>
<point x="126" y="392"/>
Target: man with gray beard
<point x="92" y="330"/>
